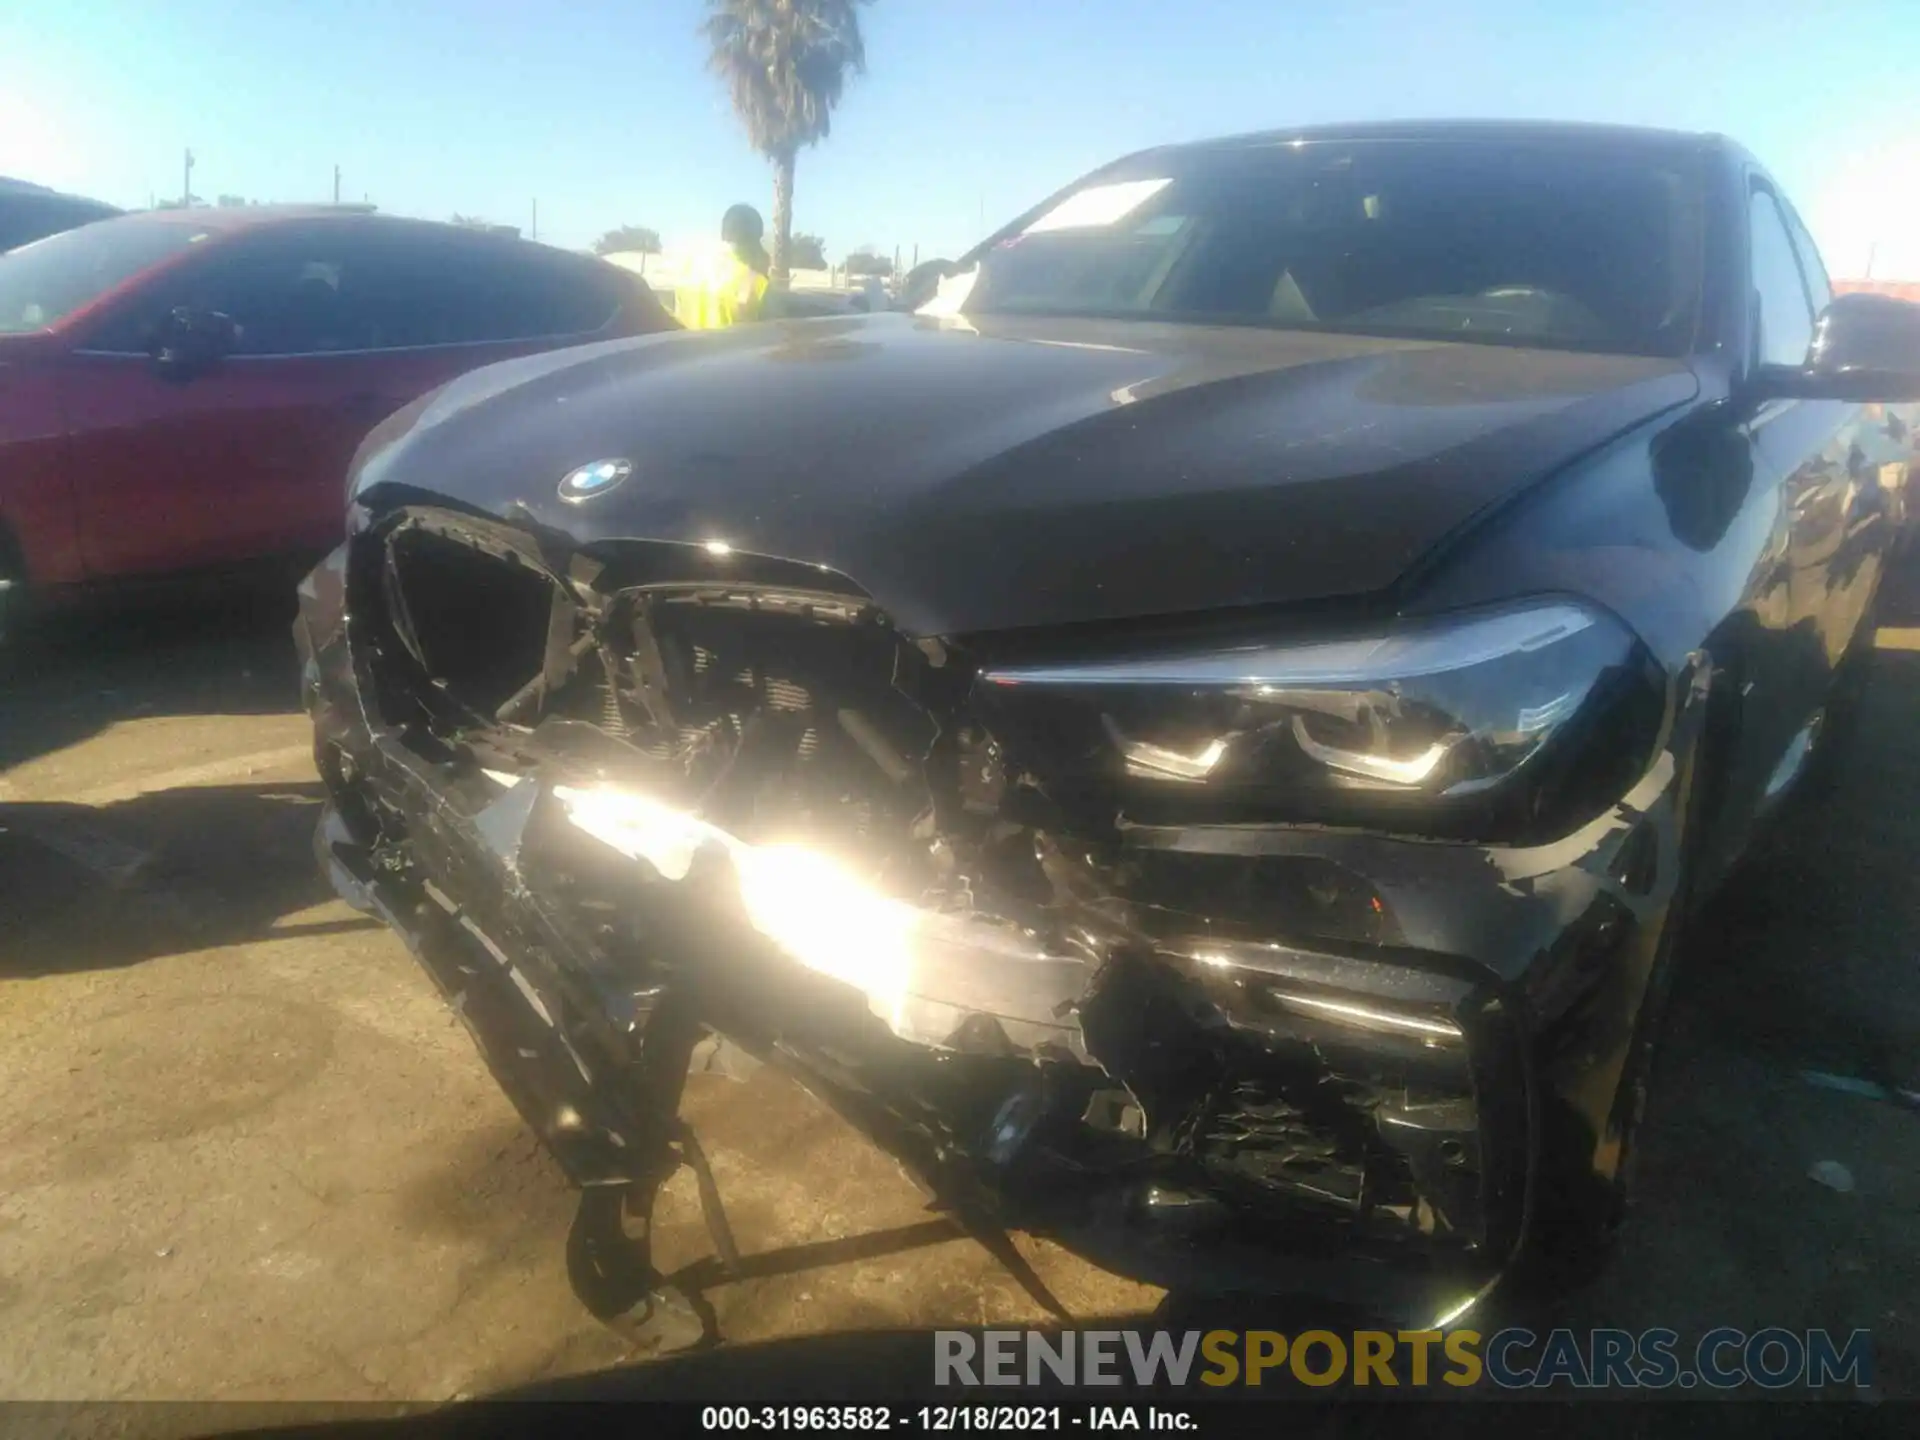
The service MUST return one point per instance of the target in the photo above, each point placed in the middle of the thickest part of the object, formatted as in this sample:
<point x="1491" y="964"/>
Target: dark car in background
<point x="182" y="390"/>
<point x="1201" y="742"/>
<point x="31" y="212"/>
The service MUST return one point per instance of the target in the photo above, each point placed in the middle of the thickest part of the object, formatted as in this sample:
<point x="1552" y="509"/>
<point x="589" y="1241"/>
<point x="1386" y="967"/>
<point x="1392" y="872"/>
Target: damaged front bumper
<point x="1215" y="1058"/>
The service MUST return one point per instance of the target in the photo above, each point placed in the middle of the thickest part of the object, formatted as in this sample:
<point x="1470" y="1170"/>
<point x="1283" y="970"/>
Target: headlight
<point x="1513" y="723"/>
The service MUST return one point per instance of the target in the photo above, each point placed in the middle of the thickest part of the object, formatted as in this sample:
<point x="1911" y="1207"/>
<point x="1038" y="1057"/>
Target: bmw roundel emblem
<point x="595" y="479"/>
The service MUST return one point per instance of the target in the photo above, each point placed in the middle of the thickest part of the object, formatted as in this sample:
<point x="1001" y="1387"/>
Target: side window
<point x="581" y="296"/>
<point x="288" y="295"/>
<point x="530" y="294"/>
<point x="291" y="301"/>
<point x="459" y="291"/>
<point x="344" y="289"/>
<point x="1811" y="265"/>
<point x="1785" y="313"/>
<point x="412" y="296"/>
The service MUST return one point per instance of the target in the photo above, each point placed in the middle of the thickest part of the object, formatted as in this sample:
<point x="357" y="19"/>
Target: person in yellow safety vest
<point x="727" y="284"/>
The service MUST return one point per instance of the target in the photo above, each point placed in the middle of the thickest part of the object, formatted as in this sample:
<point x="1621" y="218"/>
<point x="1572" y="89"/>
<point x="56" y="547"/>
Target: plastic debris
<point x="1845" y="1084"/>
<point x="1833" y="1175"/>
<point x="1866" y="1089"/>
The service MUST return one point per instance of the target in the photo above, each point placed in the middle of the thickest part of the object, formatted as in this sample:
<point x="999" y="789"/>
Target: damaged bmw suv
<point x="1199" y="739"/>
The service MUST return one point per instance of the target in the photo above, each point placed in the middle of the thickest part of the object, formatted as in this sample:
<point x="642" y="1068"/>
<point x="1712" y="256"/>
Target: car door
<point x="1868" y="512"/>
<point x="217" y="456"/>
<point x="1814" y="582"/>
<point x="341" y="321"/>
<point x="1837" y="531"/>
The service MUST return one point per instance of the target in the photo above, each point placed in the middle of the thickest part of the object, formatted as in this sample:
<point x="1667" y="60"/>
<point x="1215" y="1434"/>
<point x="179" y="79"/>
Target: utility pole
<point x="186" y="181"/>
<point x="534" y="233"/>
<point x="1872" y="251"/>
<point x="336" y="184"/>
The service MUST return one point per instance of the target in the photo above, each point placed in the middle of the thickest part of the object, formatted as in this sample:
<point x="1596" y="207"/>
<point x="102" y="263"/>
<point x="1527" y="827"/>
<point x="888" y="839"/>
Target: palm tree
<point x="786" y="63"/>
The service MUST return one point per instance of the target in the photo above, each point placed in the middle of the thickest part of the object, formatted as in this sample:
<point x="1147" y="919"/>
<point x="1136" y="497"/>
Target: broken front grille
<point x="780" y="709"/>
<point x="781" y="713"/>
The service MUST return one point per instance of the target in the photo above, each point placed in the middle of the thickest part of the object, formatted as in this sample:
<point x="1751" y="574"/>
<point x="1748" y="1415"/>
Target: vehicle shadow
<point x="218" y="650"/>
<point x="89" y="888"/>
<point x="1820" y="922"/>
<point x="1900" y="590"/>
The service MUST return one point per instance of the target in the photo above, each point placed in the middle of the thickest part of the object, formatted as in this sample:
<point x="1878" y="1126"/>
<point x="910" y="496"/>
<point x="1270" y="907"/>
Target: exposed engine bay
<point x="619" y="802"/>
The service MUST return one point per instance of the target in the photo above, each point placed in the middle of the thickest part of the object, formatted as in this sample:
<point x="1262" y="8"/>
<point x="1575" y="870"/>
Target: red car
<point x="183" y="390"/>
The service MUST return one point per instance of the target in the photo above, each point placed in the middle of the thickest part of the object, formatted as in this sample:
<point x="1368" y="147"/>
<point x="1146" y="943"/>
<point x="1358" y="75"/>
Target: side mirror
<point x="190" y="342"/>
<point x="1865" y="348"/>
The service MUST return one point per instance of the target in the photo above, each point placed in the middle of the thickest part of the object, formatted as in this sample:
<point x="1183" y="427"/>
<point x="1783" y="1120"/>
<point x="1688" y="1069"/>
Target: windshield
<point x="1554" y="247"/>
<point x="43" y="283"/>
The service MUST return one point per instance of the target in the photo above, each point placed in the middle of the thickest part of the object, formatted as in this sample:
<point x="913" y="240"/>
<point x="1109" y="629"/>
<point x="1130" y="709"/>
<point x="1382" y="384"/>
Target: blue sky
<point x="604" y="110"/>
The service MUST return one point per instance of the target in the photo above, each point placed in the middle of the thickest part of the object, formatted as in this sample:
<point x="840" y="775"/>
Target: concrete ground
<point x="246" y="1153"/>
